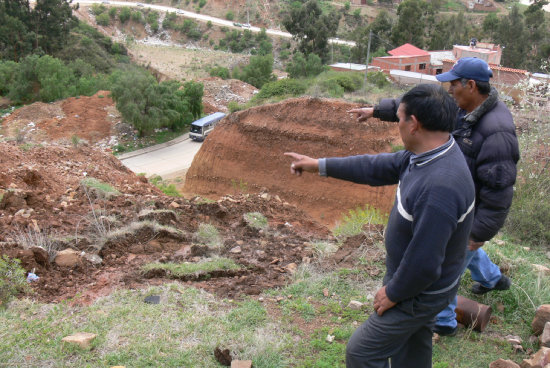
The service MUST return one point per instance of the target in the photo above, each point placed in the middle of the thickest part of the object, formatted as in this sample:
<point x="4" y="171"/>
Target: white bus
<point x="202" y="127"/>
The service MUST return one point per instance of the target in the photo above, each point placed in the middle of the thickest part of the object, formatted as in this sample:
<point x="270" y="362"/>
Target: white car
<point x="140" y="4"/>
<point x="179" y="11"/>
<point x="246" y="25"/>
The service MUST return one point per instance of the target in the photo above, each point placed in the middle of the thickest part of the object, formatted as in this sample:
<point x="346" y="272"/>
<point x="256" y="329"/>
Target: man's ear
<point x="414" y="126"/>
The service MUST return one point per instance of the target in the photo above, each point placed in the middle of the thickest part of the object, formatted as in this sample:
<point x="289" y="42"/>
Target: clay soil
<point x="240" y="167"/>
<point x="245" y="153"/>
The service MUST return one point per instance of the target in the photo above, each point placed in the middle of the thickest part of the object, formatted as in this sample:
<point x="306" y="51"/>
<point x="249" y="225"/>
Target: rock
<point x="545" y="337"/>
<point x="174" y="205"/>
<point x="94" y="259"/>
<point x="541" y="269"/>
<point x="223" y="356"/>
<point x="501" y="363"/>
<point x="329" y="338"/>
<point x="67" y="258"/>
<point x="355" y="305"/>
<point x="539" y="360"/>
<point x="291" y="267"/>
<point x="82" y="339"/>
<point x="241" y="364"/>
<point x="514" y="340"/>
<point x="542" y="315"/>
<point x="41" y="256"/>
<point x="235" y="250"/>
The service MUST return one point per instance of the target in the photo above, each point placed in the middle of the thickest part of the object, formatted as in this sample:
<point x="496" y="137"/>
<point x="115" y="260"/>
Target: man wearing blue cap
<point x="485" y="132"/>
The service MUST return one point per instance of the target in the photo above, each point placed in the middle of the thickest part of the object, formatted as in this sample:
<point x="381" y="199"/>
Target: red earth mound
<point x="245" y="153"/>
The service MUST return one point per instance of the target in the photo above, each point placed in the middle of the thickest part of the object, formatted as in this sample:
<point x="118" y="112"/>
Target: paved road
<point x="204" y="18"/>
<point x="167" y="160"/>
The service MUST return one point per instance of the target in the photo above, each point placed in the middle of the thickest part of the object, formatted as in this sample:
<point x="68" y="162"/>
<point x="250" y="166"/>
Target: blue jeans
<point x="483" y="271"/>
<point x="403" y="334"/>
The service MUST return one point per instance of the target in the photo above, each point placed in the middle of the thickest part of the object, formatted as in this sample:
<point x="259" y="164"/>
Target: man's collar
<point x="425" y="157"/>
<point x="482" y="109"/>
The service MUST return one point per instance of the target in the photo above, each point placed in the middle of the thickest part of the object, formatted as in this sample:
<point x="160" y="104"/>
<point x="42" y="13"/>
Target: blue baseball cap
<point x="469" y="68"/>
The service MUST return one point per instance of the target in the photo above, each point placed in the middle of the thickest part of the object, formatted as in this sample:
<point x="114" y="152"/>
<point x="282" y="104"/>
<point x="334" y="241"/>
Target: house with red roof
<point x="406" y="57"/>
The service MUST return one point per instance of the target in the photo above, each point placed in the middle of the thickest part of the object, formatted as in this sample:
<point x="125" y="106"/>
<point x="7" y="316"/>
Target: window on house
<point x="407" y="68"/>
<point x="438" y="71"/>
<point x="422" y="66"/>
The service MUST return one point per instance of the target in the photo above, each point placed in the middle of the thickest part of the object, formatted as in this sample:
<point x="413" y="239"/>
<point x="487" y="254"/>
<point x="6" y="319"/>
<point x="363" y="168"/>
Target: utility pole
<point x="367" y="61"/>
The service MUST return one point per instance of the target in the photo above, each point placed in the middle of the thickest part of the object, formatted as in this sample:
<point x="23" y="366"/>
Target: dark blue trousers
<point x="402" y="335"/>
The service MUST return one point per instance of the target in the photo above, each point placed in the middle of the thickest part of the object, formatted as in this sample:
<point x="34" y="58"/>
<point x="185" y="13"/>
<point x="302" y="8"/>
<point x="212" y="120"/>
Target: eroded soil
<point x="240" y="168"/>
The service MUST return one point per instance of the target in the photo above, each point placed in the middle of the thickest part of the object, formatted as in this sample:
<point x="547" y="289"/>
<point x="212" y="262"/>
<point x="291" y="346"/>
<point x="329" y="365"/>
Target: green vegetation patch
<point x="177" y="270"/>
<point x="99" y="186"/>
<point x="352" y="223"/>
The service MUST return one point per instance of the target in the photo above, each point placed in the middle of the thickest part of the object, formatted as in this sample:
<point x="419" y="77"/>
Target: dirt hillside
<point x="245" y="153"/>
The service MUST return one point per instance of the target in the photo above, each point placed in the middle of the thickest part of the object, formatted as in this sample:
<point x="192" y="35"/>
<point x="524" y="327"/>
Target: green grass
<point x="182" y="331"/>
<point x="203" y="267"/>
<point x="99" y="186"/>
<point x="352" y="223"/>
<point x="208" y="234"/>
<point x="168" y="189"/>
<point x="256" y="220"/>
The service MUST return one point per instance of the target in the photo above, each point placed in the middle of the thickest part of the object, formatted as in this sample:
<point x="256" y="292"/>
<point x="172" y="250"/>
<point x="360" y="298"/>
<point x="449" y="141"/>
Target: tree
<point x="302" y="67"/>
<point x="449" y="31"/>
<point x="258" y="72"/>
<point x="52" y="21"/>
<point x="411" y="24"/>
<point x="311" y="27"/>
<point x="512" y="35"/>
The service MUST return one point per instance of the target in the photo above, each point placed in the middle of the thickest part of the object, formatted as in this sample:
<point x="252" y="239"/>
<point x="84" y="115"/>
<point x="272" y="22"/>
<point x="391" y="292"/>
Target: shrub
<point x="113" y="12"/>
<point x="103" y="19"/>
<point x="125" y="14"/>
<point x="168" y="189"/>
<point x="282" y="87"/>
<point x="353" y="222"/>
<point x="137" y="17"/>
<point x="208" y="234"/>
<point x="258" y="72"/>
<point x="220" y="71"/>
<point x="302" y="67"/>
<point x="12" y="279"/>
<point x="255" y="220"/>
<point x="378" y="78"/>
<point x="229" y="15"/>
<point x="98" y="9"/>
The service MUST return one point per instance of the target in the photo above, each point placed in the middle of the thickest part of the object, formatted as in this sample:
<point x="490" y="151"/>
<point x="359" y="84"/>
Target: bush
<point x="137" y="17"/>
<point x="352" y="223"/>
<point x="208" y="234"/>
<point x="125" y="14"/>
<point x="378" y="78"/>
<point x="255" y="220"/>
<point x="258" y="72"/>
<point x="98" y="9"/>
<point x="283" y="87"/>
<point x="103" y="19"/>
<point x="229" y="15"/>
<point x="12" y="279"/>
<point x="302" y="67"/>
<point x="220" y="71"/>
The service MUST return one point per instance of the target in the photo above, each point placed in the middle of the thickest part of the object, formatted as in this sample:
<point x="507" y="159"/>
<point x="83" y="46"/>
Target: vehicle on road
<point x="179" y="11"/>
<point x="246" y="25"/>
<point x="237" y="24"/>
<point x="204" y="126"/>
<point x="140" y="4"/>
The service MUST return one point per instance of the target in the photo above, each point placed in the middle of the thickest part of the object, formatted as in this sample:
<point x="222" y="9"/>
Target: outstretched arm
<point x="302" y="163"/>
<point x="363" y="113"/>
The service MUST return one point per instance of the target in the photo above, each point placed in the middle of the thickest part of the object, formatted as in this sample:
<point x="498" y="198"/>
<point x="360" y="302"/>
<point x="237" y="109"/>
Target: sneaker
<point x="445" y="330"/>
<point x="502" y="284"/>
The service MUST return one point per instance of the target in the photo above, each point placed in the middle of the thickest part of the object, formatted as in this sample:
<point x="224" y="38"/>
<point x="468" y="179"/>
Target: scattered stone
<point x="174" y="205"/>
<point x="435" y="338"/>
<point x="533" y="339"/>
<point x="152" y="299"/>
<point x="118" y="366"/>
<point x="95" y="259"/>
<point x="241" y="364"/>
<point x="291" y="267"/>
<point x="239" y="242"/>
<point x="223" y="356"/>
<point x="330" y="338"/>
<point x="266" y="196"/>
<point x="514" y="340"/>
<point x="325" y="292"/>
<point x="235" y="250"/>
<point x="279" y="299"/>
<point x="539" y="360"/>
<point x="501" y="363"/>
<point x="518" y="348"/>
<point x="499" y="242"/>
<point x="67" y="258"/>
<point x="41" y="256"/>
<point x="82" y="339"/>
<point x="355" y="305"/>
<point x="542" y="315"/>
<point x="526" y="248"/>
<point x="545" y="336"/>
<point x="541" y="269"/>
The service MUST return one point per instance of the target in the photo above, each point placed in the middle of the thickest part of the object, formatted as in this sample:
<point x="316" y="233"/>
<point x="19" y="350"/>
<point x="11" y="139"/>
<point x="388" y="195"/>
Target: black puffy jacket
<point x="487" y="138"/>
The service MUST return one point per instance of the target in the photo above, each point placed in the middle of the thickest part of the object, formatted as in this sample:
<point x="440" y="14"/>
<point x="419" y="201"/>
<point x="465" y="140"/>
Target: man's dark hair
<point x="483" y="87"/>
<point x="432" y="105"/>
